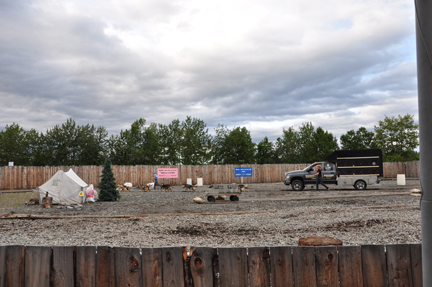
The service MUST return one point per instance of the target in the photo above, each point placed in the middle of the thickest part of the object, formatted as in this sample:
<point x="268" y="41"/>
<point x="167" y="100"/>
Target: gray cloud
<point x="264" y="67"/>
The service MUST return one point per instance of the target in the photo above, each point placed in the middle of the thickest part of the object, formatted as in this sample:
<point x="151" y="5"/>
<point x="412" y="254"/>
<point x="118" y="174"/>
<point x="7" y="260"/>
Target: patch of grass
<point x="11" y="200"/>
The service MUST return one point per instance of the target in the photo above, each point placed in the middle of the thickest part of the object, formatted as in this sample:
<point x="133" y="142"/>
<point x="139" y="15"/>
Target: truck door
<point x="329" y="172"/>
<point x="309" y="176"/>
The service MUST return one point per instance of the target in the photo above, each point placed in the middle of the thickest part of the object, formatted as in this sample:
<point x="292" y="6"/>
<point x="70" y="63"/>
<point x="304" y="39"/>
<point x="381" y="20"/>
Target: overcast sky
<point x="262" y="64"/>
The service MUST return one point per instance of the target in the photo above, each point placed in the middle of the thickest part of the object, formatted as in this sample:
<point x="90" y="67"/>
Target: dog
<point x="166" y="187"/>
<point x="32" y="201"/>
<point x="144" y="187"/>
<point x="122" y="187"/>
<point x="242" y="187"/>
<point x="189" y="187"/>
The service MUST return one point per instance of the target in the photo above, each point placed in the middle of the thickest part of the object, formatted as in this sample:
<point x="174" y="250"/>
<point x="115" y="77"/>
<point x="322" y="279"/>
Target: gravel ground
<point x="266" y="215"/>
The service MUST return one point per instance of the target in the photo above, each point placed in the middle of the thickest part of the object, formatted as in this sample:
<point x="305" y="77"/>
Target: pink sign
<point x="168" y="172"/>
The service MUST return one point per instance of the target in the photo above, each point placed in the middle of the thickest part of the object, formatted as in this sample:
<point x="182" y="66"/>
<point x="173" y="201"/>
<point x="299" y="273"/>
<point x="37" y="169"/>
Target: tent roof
<point x="72" y="175"/>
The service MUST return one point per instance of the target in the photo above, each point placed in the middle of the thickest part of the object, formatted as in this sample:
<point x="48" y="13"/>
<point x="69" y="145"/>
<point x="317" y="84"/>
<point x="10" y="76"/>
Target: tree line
<point x="189" y="142"/>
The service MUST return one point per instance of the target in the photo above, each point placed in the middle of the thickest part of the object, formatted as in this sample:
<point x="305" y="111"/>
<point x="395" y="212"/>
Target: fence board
<point x="105" y="267"/>
<point x="63" y="268"/>
<point x="86" y="266"/>
<point x="37" y="266"/>
<point x="259" y="266"/>
<point x="152" y="267"/>
<point x="233" y="271"/>
<point x="127" y="266"/>
<point x="350" y="266"/>
<point x="304" y="266"/>
<point x="374" y="266"/>
<point x="2" y="266"/>
<point x="173" y="266"/>
<point x="327" y="266"/>
<point x="14" y="261"/>
<point x="201" y="265"/>
<point x="399" y="265"/>
<point x="281" y="266"/>
<point x="416" y="264"/>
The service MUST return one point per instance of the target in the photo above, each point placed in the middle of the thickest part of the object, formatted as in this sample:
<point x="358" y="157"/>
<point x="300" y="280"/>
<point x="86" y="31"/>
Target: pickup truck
<point x="358" y="168"/>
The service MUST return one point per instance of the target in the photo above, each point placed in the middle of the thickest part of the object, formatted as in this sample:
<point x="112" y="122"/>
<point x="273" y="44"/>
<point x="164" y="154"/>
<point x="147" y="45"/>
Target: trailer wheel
<point x="297" y="185"/>
<point x="211" y="198"/>
<point x="360" y="184"/>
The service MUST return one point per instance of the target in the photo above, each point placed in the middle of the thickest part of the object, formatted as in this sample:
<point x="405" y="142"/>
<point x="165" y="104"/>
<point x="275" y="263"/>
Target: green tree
<point x="139" y="145"/>
<point x="195" y="141"/>
<point x="171" y="137"/>
<point x="360" y="139"/>
<point x="93" y="144"/>
<point x="107" y="185"/>
<point x="265" y="152"/>
<point x="18" y="145"/>
<point x="325" y="143"/>
<point x="71" y="144"/>
<point x="307" y="150"/>
<point x="233" y="147"/>
<point x="398" y="137"/>
<point x="286" y="148"/>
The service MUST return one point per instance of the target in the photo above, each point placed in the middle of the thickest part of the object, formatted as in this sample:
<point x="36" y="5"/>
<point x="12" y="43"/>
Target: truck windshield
<point x="310" y="167"/>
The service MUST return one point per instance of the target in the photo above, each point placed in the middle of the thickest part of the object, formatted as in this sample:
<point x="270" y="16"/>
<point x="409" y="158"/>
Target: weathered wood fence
<point x="23" y="177"/>
<point x="284" y="266"/>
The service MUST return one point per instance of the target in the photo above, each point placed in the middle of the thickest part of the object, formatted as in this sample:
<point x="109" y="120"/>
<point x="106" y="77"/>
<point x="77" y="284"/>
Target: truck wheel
<point x="297" y="185"/>
<point x="360" y="184"/>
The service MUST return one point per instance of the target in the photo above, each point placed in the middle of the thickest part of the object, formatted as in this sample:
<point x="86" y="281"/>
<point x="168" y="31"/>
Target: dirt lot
<point x="272" y="196"/>
<point x="266" y="214"/>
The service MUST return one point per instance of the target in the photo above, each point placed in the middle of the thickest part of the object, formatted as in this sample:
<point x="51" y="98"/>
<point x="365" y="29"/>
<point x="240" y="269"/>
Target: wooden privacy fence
<point x="284" y="266"/>
<point x="23" y="177"/>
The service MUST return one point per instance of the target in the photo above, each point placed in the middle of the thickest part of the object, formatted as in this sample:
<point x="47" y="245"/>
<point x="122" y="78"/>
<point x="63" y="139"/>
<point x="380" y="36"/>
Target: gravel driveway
<point x="266" y="215"/>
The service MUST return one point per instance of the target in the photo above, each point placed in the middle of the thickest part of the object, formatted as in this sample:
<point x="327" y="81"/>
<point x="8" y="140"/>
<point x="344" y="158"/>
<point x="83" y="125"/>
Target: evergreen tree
<point x="107" y="185"/>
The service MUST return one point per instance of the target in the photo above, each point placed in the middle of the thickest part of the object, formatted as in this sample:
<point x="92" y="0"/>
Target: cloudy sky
<point x="262" y="64"/>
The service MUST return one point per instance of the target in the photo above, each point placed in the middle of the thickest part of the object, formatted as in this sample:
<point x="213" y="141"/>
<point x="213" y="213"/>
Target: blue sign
<point x="243" y="172"/>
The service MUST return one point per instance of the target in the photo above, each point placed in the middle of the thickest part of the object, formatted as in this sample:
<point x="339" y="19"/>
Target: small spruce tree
<point x="107" y="185"/>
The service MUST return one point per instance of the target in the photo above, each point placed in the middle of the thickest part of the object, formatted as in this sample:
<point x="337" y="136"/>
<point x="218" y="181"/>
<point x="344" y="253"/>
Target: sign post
<point x="243" y="172"/>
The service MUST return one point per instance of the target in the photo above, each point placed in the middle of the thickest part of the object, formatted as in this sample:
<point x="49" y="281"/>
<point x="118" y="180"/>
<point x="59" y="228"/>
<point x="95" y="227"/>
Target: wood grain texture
<point x="62" y="273"/>
<point x="127" y="266"/>
<point x="416" y="264"/>
<point x="2" y="266"/>
<point x="233" y="269"/>
<point x="152" y="267"/>
<point x="173" y="266"/>
<point x="399" y="265"/>
<point x="350" y="266"/>
<point x="281" y="266"/>
<point x="304" y="266"/>
<point x="202" y="266"/>
<point x="259" y="266"/>
<point x="374" y="266"/>
<point x="327" y="266"/>
<point x="37" y="266"/>
<point x="105" y="267"/>
<point x="86" y="266"/>
<point x="14" y="259"/>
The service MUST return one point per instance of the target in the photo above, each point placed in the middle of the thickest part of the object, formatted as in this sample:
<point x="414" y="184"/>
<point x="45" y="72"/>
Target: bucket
<point x="401" y="179"/>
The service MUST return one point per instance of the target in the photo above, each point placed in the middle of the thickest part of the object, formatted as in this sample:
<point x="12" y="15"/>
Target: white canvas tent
<point x="65" y="188"/>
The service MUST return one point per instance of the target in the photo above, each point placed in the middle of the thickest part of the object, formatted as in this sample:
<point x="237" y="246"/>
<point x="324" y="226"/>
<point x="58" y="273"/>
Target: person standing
<point x="155" y="180"/>
<point x="320" y="178"/>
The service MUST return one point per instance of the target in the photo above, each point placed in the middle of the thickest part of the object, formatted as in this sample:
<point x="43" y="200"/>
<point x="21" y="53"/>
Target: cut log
<point x="318" y="241"/>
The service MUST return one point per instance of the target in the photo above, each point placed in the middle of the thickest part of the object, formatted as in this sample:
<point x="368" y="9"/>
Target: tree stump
<point x="47" y="201"/>
<point x="318" y="241"/>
